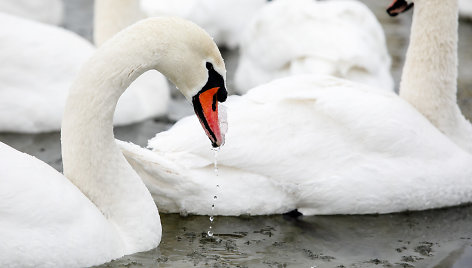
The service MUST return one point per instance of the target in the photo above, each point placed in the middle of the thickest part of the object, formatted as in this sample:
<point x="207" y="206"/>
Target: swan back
<point x="375" y="154"/>
<point x="47" y="11"/>
<point x="48" y="218"/>
<point x="36" y="73"/>
<point x="339" y="38"/>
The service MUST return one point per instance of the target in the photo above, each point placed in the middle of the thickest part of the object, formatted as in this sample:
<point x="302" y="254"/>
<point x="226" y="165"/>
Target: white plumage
<point x="47" y="11"/>
<point x="46" y="221"/>
<point x="39" y="63"/>
<point x="224" y="20"/>
<point x="317" y="144"/>
<point x="339" y="38"/>
<point x="99" y="209"/>
<point x="325" y="145"/>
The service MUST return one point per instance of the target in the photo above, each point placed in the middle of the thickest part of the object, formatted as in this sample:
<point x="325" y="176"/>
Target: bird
<point x="37" y="72"/>
<point x="338" y="38"/>
<point x="224" y="20"/>
<point x="100" y="209"/>
<point x="46" y="11"/>
<point x="324" y="145"/>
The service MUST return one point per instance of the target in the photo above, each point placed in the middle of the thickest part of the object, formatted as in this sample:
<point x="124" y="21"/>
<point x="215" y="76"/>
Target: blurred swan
<point x="40" y="62"/>
<point x="465" y="8"/>
<point x="46" y="11"/>
<point x="339" y="38"/>
<point x="324" y="145"/>
<point x="99" y="209"/>
<point x="224" y="20"/>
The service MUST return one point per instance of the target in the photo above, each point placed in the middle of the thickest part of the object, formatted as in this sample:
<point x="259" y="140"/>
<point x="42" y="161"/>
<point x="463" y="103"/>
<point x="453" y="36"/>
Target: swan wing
<point x="46" y="221"/>
<point x="46" y="11"/>
<point x="317" y="144"/>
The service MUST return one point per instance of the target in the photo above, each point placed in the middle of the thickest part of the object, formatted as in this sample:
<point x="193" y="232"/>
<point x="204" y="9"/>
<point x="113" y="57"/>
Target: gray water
<point x="437" y="238"/>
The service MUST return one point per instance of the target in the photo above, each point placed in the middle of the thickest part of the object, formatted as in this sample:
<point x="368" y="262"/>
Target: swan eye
<point x="209" y="66"/>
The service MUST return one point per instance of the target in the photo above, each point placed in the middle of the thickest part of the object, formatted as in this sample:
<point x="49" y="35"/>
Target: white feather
<point x="339" y="38"/>
<point x="39" y="63"/>
<point x="317" y="144"/>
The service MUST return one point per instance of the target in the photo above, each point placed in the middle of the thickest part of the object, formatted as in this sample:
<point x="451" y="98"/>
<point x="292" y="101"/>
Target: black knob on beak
<point x="222" y="94"/>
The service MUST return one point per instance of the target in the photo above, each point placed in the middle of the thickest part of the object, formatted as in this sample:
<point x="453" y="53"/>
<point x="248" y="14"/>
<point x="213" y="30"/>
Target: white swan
<point x="321" y="145"/>
<point x="225" y="20"/>
<point x="39" y="63"/>
<point x="339" y="38"/>
<point x="100" y="210"/>
<point x="47" y="11"/>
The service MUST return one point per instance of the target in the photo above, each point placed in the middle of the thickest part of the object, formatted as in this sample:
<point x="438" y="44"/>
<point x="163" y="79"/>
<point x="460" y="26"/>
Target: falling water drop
<point x="215" y="163"/>
<point x="215" y="197"/>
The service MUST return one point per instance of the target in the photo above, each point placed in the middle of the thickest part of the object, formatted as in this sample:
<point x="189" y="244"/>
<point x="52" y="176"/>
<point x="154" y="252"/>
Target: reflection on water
<point x="437" y="238"/>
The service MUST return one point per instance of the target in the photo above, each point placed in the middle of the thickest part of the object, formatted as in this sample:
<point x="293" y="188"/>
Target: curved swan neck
<point x="429" y="78"/>
<point x="112" y="16"/>
<point x="91" y="158"/>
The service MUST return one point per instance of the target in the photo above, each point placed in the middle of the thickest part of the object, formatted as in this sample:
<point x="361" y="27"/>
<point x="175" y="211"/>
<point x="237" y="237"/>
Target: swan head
<point x="191" y="60"/>
<point x="399" y="6"/>
<point x="194" y="64"/>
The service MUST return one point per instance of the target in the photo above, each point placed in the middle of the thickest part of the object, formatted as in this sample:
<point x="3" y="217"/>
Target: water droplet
<point x="215" y="197"/>
<point x="212" y="206"/>
<point x="212" y="219"/>
<point x="217" y="186"/>
<point x="210" y="233"/>
<point x="215" y="163"/>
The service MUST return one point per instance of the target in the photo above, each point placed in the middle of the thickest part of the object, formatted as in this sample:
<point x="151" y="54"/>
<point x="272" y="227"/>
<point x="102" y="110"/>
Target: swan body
<point x="317" y="144"/>
<point x="99" y="209"/>
<point x="325" y="145"/>
<point x="37" y="72"/>
<point x="224" y="20"/>
<point x="46" y="11"/>
<point x="46" y="221"/>
<point x="339" y="38"/>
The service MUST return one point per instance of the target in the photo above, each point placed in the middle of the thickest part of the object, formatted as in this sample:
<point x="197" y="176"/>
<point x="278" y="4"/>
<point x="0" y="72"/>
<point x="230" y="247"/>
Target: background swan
<point x="47" y="11"/>
<point x="339" y="38"/>
<point x="429" y="77"/>
<point x="37" y="72"/>
<point x="320" y="145"/>
<point x="106" y="212"/>
<point x="225" y="20"/>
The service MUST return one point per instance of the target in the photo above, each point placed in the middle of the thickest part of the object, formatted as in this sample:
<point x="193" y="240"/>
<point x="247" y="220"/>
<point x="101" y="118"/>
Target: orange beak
<point x="205" y="104"/>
